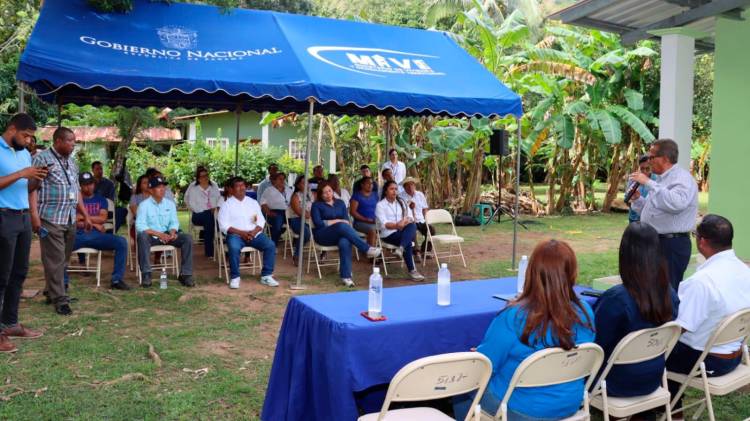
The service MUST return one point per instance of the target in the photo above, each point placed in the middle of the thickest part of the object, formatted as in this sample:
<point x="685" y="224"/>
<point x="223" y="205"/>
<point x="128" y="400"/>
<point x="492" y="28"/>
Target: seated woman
<point x="362" y="208"/>
<point x="331" y="228"/>
<point x="644" y="300"/>
<point x="397" y="227"/>
<point x="202" y="198"/>
<point x="547" y="314"/>
<point x="294" y="214"/>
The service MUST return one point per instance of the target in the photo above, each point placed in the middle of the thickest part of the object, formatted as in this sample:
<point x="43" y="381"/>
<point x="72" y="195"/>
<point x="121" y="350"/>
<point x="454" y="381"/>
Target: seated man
<point x="156" y="223"/>
<point x="96" y="238"/>
<point x="418" y="207"/>
<point x="241" y="219"/>
<point x="719" y="288"/>
<point x="274" y="202"/>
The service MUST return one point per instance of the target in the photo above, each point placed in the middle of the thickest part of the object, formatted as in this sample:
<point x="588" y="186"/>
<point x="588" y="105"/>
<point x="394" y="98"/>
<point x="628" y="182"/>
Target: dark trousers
<point x="56" y="248"/>
<point x="422" y="228"/>
<point x="296" y="225"/>
<point x="120" y="215"/>
<point x="206" y="220"/>
<point x="677" y="253"/>
<point x="404" y="238"/>
<point x="184" y="242"/>
<point x="15" y="243"/>
<point x="683" y="358"/>
<point x="276" y="224"/>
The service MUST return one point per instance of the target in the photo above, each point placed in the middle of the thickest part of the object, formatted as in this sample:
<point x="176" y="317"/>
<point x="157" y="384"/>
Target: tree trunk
<point x="474" y="183"/>
<point x="122" y="149"/>
<point x="613" y="179"/>
<point x="551" y="181"/>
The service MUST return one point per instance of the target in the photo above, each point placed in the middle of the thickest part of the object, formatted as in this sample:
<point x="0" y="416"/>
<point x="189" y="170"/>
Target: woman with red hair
<point x="546" y="314"/>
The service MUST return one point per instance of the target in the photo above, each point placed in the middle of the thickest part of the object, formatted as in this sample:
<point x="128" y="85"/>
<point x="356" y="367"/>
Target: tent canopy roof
<point x="195" y="56"/>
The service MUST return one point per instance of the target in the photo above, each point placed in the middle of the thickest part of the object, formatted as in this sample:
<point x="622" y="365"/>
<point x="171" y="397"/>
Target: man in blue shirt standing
<point x="15" y="225"/>
<point x="156" y="223"/>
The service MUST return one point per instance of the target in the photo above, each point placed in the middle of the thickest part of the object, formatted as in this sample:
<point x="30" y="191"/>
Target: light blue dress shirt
<point x="16" y="195"/>
<point x="160" y="217"/>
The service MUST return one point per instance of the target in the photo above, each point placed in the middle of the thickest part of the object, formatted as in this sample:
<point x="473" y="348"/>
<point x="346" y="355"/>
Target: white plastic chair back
<point x="734" y="328"/>
<point x="438" y="216"/>
<point x="439" y="376"/>
<point x="553" y="366"/>
<point x="646" y="344"/>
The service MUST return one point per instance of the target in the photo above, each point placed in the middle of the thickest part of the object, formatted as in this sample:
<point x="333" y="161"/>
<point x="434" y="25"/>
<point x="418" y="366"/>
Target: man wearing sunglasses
<point x="671" y="206"/>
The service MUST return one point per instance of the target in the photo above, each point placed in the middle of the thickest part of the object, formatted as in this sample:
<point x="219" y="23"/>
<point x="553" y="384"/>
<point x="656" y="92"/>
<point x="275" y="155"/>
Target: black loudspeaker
<point x="499" y="143"/>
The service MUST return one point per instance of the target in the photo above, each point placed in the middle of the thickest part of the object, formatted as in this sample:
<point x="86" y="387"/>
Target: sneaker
<point x="415" y="275"/>
<point x="234" y="283"/>
<point x="186" y="280"/>
<point x="63" y="310"/>
<point x="121" y="285"/>
<point x="6" y="346"/>
<point x="268" y="281"/>
<point x="373" y="252"/>
<point x="399" y="252"/>
<point x="21" y="332"/>
<point x="146" y="280"/>
<point x="348" y="282"/>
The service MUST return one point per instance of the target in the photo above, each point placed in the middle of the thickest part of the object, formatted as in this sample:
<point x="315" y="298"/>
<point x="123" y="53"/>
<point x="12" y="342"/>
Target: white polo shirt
<point x="243" y="215"/>
<point x="720" y="287"/>
<point x="420" y="204"/>
<point x="275" y="199"/>
<point x="398" y="170"/>
<point x="386" y="211"/>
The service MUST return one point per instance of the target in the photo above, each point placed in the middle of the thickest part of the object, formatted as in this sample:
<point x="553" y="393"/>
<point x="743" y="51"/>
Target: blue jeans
<point x="295" y="225"/>
<point x="106" y="242"/>
<point x="205" y="219"/>
<point x="490" y="404"/>
<point x="404" y="238"/>
<point x="261" y="242"/>
<point x="343" y="236"/>
<point x="276" y="222"/>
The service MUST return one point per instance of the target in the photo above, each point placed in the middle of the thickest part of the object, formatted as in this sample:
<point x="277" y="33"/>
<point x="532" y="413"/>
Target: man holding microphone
<point x="671" y="206"/>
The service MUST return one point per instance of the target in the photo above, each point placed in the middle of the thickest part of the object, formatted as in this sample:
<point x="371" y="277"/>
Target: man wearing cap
<point x="15" y="225"/>
<point x="156" y="223"/>
<point x="97" y="238"/>
<point x="418" y="207"/>
<point x="53" y="205"/>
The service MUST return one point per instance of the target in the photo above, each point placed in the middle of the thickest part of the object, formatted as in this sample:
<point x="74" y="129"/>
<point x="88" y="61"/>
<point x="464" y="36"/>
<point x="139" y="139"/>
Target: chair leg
<point x="317" y="265"/>
<point x="605" y="403"/>
<point x="461" y="250"/>
<point x="707" y="392"/>
<point x="99" y="269"/>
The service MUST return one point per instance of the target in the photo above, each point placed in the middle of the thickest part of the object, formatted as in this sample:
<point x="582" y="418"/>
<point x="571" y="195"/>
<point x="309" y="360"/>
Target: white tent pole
<point x="298" y="284"/>
<point x="21" y="98"/>
<point x="237" y="141"/>
<point x="518" y="191"/>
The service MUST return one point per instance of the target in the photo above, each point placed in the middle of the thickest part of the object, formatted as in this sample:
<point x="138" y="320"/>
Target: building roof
<point x="111" y="134"/>
<point x="635" y="19"/>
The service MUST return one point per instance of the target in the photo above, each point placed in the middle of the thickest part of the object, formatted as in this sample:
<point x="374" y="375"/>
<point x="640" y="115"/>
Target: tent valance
<point x="197" y="56"/>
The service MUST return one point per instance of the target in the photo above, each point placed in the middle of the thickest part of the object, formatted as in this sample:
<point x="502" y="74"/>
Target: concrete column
<point x="676" y="95"/>
<point x="264" y="132"/>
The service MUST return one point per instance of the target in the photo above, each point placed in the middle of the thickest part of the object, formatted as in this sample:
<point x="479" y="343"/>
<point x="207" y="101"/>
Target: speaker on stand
<point x="499" y="147"/>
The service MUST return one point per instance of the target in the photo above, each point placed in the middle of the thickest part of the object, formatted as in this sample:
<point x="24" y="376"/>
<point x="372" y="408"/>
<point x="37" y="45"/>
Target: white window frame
<point x="222" y="141"/>
<point x="296" y="148"/>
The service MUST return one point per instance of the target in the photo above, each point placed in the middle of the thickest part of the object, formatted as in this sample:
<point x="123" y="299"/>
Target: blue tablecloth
<point x="327" y="351"/>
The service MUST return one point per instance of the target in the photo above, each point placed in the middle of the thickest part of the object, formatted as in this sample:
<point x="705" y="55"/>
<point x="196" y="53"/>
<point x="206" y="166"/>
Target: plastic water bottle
<point x="375" y="302"/>
<point x="163" y="279"/>
<point x="444" y="286"/>
<point x="521" y="273"/>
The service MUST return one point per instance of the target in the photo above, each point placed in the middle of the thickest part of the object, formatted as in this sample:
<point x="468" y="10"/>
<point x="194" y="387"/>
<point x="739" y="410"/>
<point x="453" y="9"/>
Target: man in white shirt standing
<point x="274" y="202"/>
<point x="398" y="168"/>
<point x="241" y="219"/>
<point x="418" y="207"/>
<point x="671" y="206"/>
<point x="719" y="288"/>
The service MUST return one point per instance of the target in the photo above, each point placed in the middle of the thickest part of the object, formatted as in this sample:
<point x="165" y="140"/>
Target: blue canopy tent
<point x="196" y="56"/>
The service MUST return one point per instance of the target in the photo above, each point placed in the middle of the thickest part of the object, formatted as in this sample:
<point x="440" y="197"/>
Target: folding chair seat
<point x="553" y="366"/>
<point x="435" y="377"/>
<point x="437" y="217"/>
<point x="75" y="267"/>
<point x="735" y="327"/>
<point x="387" y="258"/>
<point x="636" y="347"/>
<point x="167" y="261"/>
<point x="253" y="263"/>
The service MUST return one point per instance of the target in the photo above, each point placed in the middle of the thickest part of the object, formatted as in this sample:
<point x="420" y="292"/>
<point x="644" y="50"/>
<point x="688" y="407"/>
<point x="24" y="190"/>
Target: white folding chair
<point x="437" y="217"/>
<point x="315" y="249"/>
<point x="253" y="263"/>
<point x="553" y="366"/>
<point x="636" y="347"/>
<point x="387" y="258"/>
<point x="435" y="377"/>
<point x="733" y="328"/>
<point x="111" y="222"/>
<point x="167" y="261"/>
<point x="291" y="238"/>
<point x="75" y="267"/>
<point x="194" y="230"/>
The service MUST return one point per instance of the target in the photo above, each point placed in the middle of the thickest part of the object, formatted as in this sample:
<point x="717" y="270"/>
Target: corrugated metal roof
<point x="111" y="134"/>
<point x="631" y="18"/>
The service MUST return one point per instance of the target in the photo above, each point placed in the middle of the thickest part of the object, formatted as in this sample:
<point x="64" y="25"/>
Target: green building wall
<point x="729" y="181"/>
<point x="250" y="129"/>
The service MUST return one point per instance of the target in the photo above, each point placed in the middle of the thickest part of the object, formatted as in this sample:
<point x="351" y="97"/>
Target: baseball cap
<point x="156" y="181"/>
<point x="85" y="178"/>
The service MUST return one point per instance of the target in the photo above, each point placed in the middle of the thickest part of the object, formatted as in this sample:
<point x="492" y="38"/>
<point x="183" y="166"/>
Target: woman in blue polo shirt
<point x="547" y="314"/>
<point x="362" y="208"/>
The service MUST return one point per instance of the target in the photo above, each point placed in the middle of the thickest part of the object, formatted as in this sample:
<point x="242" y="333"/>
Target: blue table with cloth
<point x="327" y="351"/>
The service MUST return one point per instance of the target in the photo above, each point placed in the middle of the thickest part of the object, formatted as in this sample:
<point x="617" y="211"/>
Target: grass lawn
<point x="216" y="345"/>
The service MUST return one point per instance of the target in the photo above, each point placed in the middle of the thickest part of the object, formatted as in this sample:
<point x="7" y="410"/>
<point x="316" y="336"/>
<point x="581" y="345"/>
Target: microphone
<point x="631" y="192"/>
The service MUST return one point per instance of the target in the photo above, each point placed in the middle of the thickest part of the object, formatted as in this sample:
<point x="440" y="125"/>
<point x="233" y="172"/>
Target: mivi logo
<point x="375" y="61"/>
